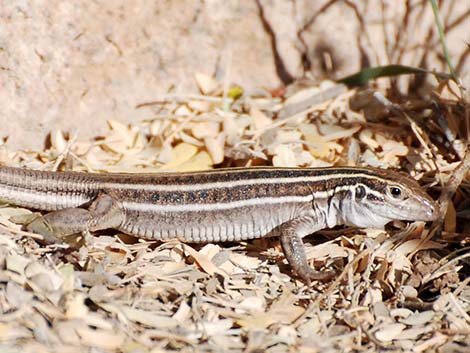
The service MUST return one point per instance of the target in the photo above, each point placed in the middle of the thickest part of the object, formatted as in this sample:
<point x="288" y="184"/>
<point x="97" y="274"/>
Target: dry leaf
<point x="414" y="245"/>
<point x="9" y="333"/>
<point x="201" y="161"/>
<point x="284" y="156"/>
<point x="251" y="305"/>
<point x="217" y="327"/>
<point x="199" y="106"/>
<point x="326" y="250"/>
<point x="366" y="136"/>
<point x="181" y="153"/>
<point x="437" y="340"/>
<point x="203" y="261"/>
<point x="260" y="120"/>
<point x="183" y="110"/>
<point x="389" y="332"/>
<point x="215" y="147"/>
<point x="205" y="129"/>
<point x="16" y="263"/>
<point x="101" y="339"/>
<point x="58" y="141"/>
<point x="334" y="132"/>
<point x="183" y="313"/>
<point x="75" y="307"/>
<point x="206" y="84"/>
<point x="419" y="319"/>
<point x="450" y="220"/>
<point x="147" y="318"/>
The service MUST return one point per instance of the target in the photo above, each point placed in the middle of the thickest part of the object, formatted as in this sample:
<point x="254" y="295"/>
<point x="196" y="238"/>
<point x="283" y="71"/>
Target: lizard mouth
<point x="432" y="211"/>
<point x="426" y="211"/>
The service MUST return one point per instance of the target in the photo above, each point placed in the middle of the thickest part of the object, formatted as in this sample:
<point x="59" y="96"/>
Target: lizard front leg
<point x="294" y="250"/>
<point x="103" y="213"/>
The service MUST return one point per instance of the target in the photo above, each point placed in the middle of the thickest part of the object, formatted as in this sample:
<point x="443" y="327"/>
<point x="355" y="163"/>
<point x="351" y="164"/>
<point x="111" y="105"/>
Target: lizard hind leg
<point x="106" y="213"/>
<point x="103" y="213"/>
<point x="294" y="251"/>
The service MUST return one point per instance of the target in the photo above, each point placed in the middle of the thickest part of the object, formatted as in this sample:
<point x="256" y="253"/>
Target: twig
<point x="452" y="184"/>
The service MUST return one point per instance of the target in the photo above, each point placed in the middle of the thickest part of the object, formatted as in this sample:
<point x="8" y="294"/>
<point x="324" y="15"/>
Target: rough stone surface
<point x="73" y="65"/>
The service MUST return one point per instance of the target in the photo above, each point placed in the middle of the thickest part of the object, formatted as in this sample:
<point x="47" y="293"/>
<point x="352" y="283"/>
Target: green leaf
<point x="361" y="78"/>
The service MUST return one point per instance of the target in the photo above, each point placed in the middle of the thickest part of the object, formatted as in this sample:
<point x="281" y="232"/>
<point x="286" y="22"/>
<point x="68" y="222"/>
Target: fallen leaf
<point x="101" y="339"/>
<point x="180" y="154"/>
<point x="207" y="85"/>
<point x="203" y="261"/>
<point x="389" y="332"/>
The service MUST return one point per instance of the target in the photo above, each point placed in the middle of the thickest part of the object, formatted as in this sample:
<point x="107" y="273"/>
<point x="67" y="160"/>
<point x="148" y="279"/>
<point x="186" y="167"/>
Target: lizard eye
<point x="395" y="191"/>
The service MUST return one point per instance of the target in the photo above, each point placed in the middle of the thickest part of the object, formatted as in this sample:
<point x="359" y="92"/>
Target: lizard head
<point x="383" y="196"/>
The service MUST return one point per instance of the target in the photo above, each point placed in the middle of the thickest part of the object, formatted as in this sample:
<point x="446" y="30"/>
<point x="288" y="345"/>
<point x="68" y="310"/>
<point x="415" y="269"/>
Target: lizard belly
<point x="207" y="226"/>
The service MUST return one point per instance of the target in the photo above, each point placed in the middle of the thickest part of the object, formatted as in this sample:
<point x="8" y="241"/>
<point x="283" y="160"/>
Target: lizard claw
<point x="308" y="275"/>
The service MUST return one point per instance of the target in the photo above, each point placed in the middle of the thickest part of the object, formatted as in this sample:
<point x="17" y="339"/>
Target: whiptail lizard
<point x="221" y="205"/>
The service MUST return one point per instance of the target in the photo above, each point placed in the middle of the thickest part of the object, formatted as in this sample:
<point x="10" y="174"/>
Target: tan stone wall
<point x="73" y="65"/>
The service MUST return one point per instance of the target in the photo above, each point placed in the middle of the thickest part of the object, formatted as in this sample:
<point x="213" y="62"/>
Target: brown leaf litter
<point x="115" y="293"/>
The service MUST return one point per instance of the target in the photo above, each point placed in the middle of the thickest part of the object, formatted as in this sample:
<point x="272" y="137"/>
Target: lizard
<point x="233" y="204"/>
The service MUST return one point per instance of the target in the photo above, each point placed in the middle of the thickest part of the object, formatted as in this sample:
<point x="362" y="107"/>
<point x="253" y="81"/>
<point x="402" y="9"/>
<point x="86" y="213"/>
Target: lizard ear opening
<point x="360" y="192"/>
